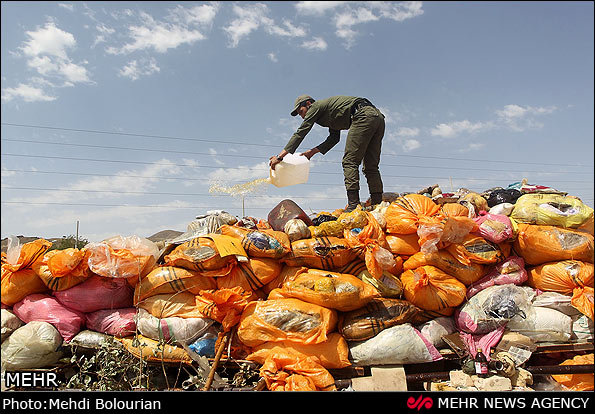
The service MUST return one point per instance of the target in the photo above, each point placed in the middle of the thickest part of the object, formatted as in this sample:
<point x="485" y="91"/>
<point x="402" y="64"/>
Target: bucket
<point x="294" y="169"/>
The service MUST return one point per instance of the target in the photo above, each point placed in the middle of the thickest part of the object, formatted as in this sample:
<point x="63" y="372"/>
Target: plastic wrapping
<point x="493" y="307"/>
<point x="399" y="344"/>
<point x="10" y="323"/>
<point x="44" y="308"/>
<point x="542" y="325"/>
<point x="252" y="275"/>
<point x="260" y="243"/>
<point x="201" y="255"/>
<point x="296" y="229"/>
<point x="328" y="253"/>
<point x="551" y="210"/>
<point x="34" y="345"/>
<point x="172" y="330"/>
<point x="402" y="215"/>
<point x="63" y="269"/>
<point x="331" y="354"/>
<point x="18" y="277"/>
<point x="494" y="227"/>
<point x="431" y="289"/>
<point x="122" y="257"/>
<point x="541" y="244"/>
<point x="333" y="290"/>
<point x="169" y="279"/>
<point x="278" y="320"/>
<point x="379" y="314"/>
<point x="97" y="293"/>
<point x="511" y="271"/>
<point x="114" y="322"/>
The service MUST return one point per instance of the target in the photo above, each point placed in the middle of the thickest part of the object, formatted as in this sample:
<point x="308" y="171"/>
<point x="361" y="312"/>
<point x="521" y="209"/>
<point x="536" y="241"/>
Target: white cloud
<point x="48" y="40"/>
<point x="202" y="15"/>
<point x="317" y="7"/>
<point x="317" y="43"/>
<point x="453" y="129"/>
<point x="157" y="36"/>
<point x="407" y="132"/>
<point x="272" y="57"/>
<point x="66" y="6"/>
<point x="347" y="15"/>
<point x="253" y="17"/>
<point x="520" y="118"/>
<point x="410" y="145"/>
<point x="137" y="68"/>
<point x="26" y="92"/>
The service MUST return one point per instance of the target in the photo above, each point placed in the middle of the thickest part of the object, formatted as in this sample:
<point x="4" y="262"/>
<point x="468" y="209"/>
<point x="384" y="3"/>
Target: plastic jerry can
<point x="285" y="211"/>
<point x="294" y="169"/>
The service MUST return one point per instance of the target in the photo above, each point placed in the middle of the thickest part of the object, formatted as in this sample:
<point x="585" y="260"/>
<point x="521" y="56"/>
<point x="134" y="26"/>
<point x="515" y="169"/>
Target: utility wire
<point x="218" y="167"/>
<point x="252" y="157"/>
<point x="308" y="183"/>
<point x="139" y="135"/>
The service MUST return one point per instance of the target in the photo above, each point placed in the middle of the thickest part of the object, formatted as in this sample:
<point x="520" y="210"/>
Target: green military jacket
<point x="333" y="112"/>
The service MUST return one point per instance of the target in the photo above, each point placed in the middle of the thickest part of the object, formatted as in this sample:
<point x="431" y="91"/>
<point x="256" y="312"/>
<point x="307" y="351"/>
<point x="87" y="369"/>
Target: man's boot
<point x="352" y="200"/>
<point x="375" y="199"/>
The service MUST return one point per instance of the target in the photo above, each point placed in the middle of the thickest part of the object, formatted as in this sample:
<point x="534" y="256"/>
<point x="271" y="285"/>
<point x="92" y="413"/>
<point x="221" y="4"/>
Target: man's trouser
<point x="364" y="143"/>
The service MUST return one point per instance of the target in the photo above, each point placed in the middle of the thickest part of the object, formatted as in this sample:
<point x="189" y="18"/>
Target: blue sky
<point x="123" y="115"/>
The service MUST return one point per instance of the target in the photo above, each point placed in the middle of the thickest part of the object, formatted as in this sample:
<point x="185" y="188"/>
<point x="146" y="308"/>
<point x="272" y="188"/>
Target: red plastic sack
<point x="115" y="322"/>
<point x="44" y="308"/>
<point x="494" y="227"/>
<point x="97" y="293"/>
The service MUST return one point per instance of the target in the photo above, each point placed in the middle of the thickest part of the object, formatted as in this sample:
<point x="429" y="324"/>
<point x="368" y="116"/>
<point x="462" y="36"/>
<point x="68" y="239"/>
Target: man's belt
<point x="360" y="103"/>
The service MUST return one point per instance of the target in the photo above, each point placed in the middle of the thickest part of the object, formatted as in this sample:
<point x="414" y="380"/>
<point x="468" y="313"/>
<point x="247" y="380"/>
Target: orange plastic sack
<point x="438" y="232"/>
<point x="370" y="244"/>
<point x="130" y="257"/>
<point x="331" y="354"/>
<point x="63" y="269"/>
<point x="542" y="244"/>
<point x="377" y="315"/>
<point x="285" y="370"/>
<point x="338" y="291"/>
<point x="266" y="243"/>
<point x="150" y="350"/>
<point x="201" y="255"/>
<point x="582" y="299"/>
<point x="251" y="276"/>
<point x="403" y="214"/>
<point x="476" y="249"/>
<point x="278" y="320"/>
<point x="455" y="210"/>
<point x="328" y="253"/>
<point x="403" y="244"/>
<point x="577" y="382"/>
<point x="169" y="280"/>
<point x="430" y="288"/>
<point x="287" y="273"/>
<point x="562" y="277"/>
<point x="443" y="260"/>
<point x="180" y="304"/>
<point x="223" y="305"/>
<point x="18" y="278"/>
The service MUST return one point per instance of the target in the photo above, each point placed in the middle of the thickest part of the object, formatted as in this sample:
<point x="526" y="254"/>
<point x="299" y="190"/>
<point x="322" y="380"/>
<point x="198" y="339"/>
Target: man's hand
<point x="310" y="153"/>
<point x="273" y="161"/>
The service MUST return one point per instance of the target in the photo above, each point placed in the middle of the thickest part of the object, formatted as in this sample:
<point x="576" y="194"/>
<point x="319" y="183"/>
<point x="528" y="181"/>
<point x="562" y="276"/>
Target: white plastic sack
<point x="543" y="325"/>
<point x="400" y="344"/>
<point x="504" y="208"/>
<point x="582" y="328"/>
<point x="557" y="301"/>
<point x="10" y="323"/>
<point x="172" y="330"/>
<point x="90" y="339"/>
<point x="34" y="345"/>
<point x="435" y="329"/>
<point x="493" y="307"/>
<point x="296" y="229"/>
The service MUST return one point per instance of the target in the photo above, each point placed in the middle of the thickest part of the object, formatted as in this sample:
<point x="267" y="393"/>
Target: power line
<point x="417" y="177"/>
<point x="120" y="205"/>
<point x="252" y="157"/>
<point x="244" y="168"/>
<point x="140" y="135"/>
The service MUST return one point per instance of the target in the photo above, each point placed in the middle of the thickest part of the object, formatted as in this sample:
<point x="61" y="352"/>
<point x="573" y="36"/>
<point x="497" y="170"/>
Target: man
<point x="364" y="139"/>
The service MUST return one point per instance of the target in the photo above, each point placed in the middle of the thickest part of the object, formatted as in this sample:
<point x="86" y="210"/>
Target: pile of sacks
<point x="301" y="296"/>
